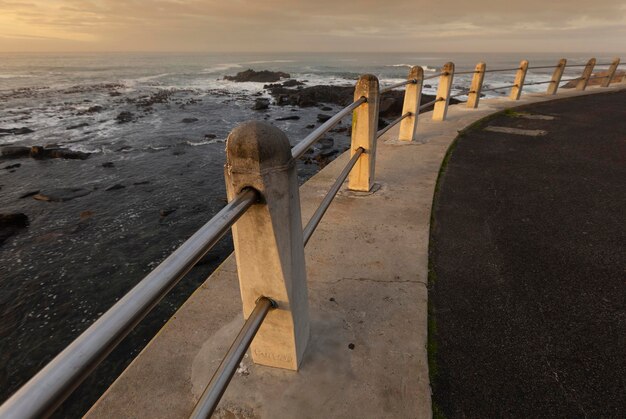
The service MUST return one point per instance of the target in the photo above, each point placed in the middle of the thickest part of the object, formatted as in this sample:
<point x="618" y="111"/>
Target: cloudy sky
<point x="314" y="25"/>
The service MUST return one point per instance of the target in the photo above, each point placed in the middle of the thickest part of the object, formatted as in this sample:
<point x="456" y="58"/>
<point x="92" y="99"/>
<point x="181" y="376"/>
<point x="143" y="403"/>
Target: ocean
<point x="149" y="182"/>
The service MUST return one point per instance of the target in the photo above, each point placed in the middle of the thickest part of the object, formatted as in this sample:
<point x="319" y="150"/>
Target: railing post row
<point x="584" y="78"/>
<point x="268" y="240"/>
<point x="553" y="87"/>
<point x="609" y="77"/>
<point x="473" y="97"/>
<point x="443" y="92"/>
<point x="520" y="76"/>
<point x="364" y="129"/>
<point x="412" y="98"/>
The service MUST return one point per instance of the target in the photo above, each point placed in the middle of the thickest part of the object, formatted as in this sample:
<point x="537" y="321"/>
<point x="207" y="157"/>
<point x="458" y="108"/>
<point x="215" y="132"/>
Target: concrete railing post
<point x="520" y="76"/>
<point x="364" y="128"/>
<point x="584" y="78"/>
<point x="609" y="77"/>
<point x="553" y="86"/>
<point x="443" y="92"/>
<point x="473" y="97"/>
<point x="268" y="241"/>
<point x="412" y="98"/>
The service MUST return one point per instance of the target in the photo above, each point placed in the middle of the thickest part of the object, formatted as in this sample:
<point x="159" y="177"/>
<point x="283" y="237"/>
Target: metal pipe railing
<point x="321" y="210"/>
<point x="433" y="76"/>
<point x="392" y="124"/>
<point x="299" y="149"/>
<point x="396" y="85"/>
<point x="498" y="88"/>
<point x="43" y="393"/>
<point x="537" y="67"/>
<point x="426" y="105"/>
<point x="501" y="69"/>
<point x="221" y="378"/>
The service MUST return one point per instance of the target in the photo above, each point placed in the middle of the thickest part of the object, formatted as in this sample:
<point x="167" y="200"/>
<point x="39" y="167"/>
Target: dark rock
<point x="114" y="93"/>
<point x="124" y="148"/>
<point x="326" y="143"/>
<point x="81" y="125"/>
<point x="323" y="117"/>
<point x="86" y="214"/>
<point x="29" y="194"/>
<point x="15" y="152"/>
<point x="310" y="126"/>
<point x="92" y="109"/>
<point x="12" y="166"/>
<point x="15" y="131"/>
<point x="115" y="187"/>
<point x="61" y="195"/>
<point x="166" y="211"/>
<point x="210" y="136"/>
<point x="189" y="120"/>
<point x="39" y="152"/>
<point x="143" y="182"/>
<point x="108" y="164"/>
<point x="261" y="104"/>
<point x="292" y="83"/>
<point x="10" y="224"/>
<point x="312" y="95"/>
<point x="124" y="117"/>
<point x="326" y="108"/>
<point x="288" y="118"/>
<point x="263" y="76"/>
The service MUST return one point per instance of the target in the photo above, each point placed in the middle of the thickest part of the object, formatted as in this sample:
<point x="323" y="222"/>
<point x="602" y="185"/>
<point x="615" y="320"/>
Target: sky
<point x="314" y="25"/>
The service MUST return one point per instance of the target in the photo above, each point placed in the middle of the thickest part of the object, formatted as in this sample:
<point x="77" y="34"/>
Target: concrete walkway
<point x="367" y="267"/>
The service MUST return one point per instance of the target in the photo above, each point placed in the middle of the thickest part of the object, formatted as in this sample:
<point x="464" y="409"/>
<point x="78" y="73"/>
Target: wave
<point x="16" y="76"/>
<point x="269" y="61"/>
<point x="219" y="68"/>
<point x="425" y="67"/>
<point x="205" y="142"/>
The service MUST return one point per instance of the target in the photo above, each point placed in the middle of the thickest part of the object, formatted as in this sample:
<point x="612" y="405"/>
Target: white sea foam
<point x="219" y="68"/>
<point x="205" y="142"/>
<point x="425" y="67"/>
<point x="16" y="76"/>
<point x="269" y="61"/>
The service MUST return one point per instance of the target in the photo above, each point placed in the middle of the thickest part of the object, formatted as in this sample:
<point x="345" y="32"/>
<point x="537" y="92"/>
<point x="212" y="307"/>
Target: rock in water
<point x="124" y="117"/>
<point x="261" y="104"/>
<point x="288" y="118"/>
<point x="15" y="152"/>
<point x="189" y="120"/>
<point x="323" y="117"/>
<point x="11" y="223"/>
<point x="115" y="187"/>
<point x="61" y="195"/>
<point x="263" y="76"/>
<point x="15" y="131"/>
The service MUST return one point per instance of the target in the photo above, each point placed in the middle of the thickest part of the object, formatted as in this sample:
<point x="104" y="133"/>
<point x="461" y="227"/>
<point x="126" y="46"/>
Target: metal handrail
<point x="392" y="124"/>
<point x="502" y="69"/>
<point x="537" y="67"/>
<point x="456" y="73"/>
<point x="43" y="393"/>
<point x="396" y="85"/>
<point x="321" y="210"/>
<point x="432" y="102"/>
<point x="221" y="378"/>
<point x="498" y="88"/>
<point x="433" y="76"/>
<point x="299" y="149"/>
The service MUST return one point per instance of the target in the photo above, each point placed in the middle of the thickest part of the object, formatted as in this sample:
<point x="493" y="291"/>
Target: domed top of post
<point x="255" y="146"/>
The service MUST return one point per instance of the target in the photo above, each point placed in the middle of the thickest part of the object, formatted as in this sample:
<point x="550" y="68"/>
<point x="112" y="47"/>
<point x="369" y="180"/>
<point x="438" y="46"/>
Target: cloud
<point x="292" y="25"/>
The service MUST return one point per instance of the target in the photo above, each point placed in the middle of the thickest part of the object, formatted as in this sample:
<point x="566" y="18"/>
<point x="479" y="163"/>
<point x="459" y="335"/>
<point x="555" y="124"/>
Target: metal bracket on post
<point x="364" y="129"/>
<point x="609" y="77"/>
<point x="584" y="78"/>
<point x="443" y="92"/>
<point x="412" y="98"/>
<point x="473" y="97"/>
<point x="268" y="241"/>
<point x="553" y="86"/>
<point x="520" y="76"/>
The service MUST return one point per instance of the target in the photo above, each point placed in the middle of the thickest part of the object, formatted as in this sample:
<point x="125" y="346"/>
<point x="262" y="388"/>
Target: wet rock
<point x="261" y="104"/>
<point x="312" y="95"/>
<point x="15" y="152"/>
<point x="310" y="126"/>
<point x="326" y="143"/>
<point x="40" y="152"/>
<point x="189" y="120"/>
<point x="15" y="131"/>
<point x="81" y="125"/>
<point x="86" y="214"/>
<point x="92" y="109"/>
<point x="29" y="194"/>
<point x="292" y="83"/>
<point x="108" y="164"/>
<point x="61" y="195"/>
<point x="210" y="136"/>
<point x="124" y="149"/>
<point x="288" y="118"/>
<point x="326" y="108"/>
<point x="263" y="76"/>
<point x="124" y="117"/>
<point x="12" y="166"/>
<point x="11" y="223"/>
<point x="323" y="117"/>
<point x="144" y="182"/>
<point x="166" y="211"/>
<point x="115" y="187"/>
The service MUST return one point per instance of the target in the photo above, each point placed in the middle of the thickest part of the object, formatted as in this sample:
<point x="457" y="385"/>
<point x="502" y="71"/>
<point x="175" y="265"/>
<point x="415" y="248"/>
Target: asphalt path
<point x="528" y="265"/>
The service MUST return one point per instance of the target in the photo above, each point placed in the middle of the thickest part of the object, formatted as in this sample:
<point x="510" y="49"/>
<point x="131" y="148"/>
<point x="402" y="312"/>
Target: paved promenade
<point x="529" y="255"/>
<point x="367" y="267"/>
